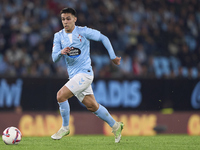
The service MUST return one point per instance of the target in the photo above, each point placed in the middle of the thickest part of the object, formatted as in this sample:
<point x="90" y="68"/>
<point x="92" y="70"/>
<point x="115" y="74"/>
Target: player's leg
<point x="74" y="86"/>
<point x="62" y="97"/>
<point x="101" y="112"/>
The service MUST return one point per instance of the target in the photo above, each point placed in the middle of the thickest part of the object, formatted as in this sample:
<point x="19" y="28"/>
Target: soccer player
<point x="73" y="43"/>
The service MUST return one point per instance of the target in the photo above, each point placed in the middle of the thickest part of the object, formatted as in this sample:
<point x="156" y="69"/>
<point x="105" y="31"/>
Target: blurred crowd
<point x="156" y="39"/>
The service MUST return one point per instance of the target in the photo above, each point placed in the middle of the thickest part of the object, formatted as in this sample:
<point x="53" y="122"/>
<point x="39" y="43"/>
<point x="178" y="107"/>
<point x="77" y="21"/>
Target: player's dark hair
<point x="68" y="10"/>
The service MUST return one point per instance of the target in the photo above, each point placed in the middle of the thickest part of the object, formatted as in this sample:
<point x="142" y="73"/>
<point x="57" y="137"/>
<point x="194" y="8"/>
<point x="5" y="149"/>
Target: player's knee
<point x="60" y="97"/>
<point x="92" y="107"/>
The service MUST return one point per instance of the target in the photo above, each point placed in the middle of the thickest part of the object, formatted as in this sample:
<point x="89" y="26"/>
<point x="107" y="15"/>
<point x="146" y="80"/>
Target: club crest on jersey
<point x="79" y="37"/>
<point x="74" y="52"/>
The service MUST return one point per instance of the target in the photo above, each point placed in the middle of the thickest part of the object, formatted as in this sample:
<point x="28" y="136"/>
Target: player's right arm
<point x="57" y="52"/>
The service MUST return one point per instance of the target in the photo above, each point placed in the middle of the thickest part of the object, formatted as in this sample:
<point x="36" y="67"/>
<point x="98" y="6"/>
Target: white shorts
<point x="80" y="85"/>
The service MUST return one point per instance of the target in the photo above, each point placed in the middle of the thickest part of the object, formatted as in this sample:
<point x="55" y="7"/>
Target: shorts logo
<point x="81" y="82"/>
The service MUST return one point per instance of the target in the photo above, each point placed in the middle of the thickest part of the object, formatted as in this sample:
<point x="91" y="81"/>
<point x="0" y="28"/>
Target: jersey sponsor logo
<point x="74" y="52"/>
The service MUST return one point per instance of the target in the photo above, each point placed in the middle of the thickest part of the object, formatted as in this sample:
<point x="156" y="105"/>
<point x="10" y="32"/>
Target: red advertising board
<point x="136" y="123"/>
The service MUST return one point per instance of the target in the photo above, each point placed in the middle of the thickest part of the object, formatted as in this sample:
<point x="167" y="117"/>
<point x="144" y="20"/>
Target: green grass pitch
<point x="101" y="142"/>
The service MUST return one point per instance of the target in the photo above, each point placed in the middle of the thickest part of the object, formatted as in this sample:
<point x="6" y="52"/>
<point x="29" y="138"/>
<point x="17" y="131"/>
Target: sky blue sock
<point x="65" y="112"/>
<point x="103" y="114"/>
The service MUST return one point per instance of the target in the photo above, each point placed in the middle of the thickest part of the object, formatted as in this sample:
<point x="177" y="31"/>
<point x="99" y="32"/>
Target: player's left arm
<point x="106" y="42"/>
<point x="117" y="60"/>
<point x="95" y="35"/>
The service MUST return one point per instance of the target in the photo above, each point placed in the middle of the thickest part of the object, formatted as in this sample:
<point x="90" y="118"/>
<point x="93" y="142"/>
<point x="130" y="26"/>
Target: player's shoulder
<point x="59" y="33"/>
<point x="84" y="29"/>
<point x="81" y="28"/>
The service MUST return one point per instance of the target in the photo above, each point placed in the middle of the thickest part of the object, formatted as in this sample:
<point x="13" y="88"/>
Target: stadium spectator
<point x="161" y="27"/>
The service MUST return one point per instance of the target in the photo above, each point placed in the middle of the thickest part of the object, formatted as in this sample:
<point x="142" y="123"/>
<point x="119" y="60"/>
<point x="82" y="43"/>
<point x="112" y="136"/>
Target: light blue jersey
<point x="78" y="60"/>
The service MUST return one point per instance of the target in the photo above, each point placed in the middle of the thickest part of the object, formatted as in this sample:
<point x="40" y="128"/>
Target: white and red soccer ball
<point x="11" y="135"/>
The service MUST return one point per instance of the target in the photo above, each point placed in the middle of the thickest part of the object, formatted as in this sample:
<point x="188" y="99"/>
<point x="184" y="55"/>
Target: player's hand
<point x="116" y="61"/>
<point x="65" y="50"/>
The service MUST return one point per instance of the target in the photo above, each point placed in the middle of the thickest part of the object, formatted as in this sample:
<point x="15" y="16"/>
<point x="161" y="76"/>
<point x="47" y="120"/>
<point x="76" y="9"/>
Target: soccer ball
<point x="11" y="135"/>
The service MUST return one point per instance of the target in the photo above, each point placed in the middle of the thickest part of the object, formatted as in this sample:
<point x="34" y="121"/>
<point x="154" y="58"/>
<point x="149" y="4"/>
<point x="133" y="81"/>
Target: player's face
<point x="68" y="21"/>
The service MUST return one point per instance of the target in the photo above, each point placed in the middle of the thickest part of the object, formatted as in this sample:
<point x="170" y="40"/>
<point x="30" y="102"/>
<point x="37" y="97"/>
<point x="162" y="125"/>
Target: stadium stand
<point x="156" y="39"/>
